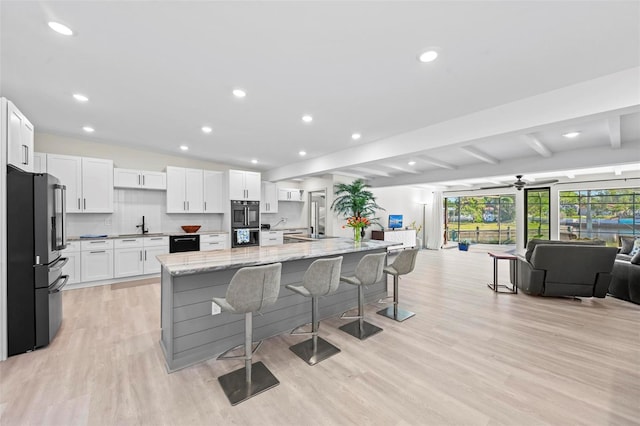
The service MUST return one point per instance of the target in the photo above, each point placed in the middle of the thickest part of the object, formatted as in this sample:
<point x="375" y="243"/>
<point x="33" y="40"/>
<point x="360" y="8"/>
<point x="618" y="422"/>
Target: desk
<point x="513" y="289"/>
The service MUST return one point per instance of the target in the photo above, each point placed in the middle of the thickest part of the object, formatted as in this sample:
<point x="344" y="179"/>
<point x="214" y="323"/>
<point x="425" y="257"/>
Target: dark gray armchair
<point x="551" y="268"/>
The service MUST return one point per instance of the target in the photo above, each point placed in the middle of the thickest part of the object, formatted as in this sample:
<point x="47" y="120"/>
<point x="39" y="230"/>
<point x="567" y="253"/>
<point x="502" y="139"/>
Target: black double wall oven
<point x="245" y="223"/>
<point x="36" y="232"/>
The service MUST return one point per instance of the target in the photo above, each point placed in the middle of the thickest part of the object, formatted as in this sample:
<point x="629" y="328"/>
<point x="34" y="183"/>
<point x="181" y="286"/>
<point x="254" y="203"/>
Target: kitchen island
<point x="190" y="334"/>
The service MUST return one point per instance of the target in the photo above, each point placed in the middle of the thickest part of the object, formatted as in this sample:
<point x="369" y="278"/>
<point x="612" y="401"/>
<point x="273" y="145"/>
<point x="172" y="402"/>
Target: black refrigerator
<point x="35" y="235"/>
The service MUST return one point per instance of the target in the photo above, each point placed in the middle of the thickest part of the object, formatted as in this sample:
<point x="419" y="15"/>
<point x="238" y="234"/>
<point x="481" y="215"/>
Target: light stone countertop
<point x="147" y="235"/>
<point x="197" y="261"/>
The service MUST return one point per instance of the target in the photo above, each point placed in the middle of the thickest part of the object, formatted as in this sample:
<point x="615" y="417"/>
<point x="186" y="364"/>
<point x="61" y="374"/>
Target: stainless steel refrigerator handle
<point x="59" y="264"/>
<point x="63" y="215"/>
<point x="57" y="286"/>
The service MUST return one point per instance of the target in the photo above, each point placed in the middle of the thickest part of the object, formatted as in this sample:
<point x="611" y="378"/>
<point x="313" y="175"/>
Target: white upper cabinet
<point x="128" y="178"/>
<point x="97" y="185"/>
<point x="290" y="194"/>
<point x="244" y="185"/>
<point x="213" y="183"/>
<point x="269" y="201"/>
<point x="39" y="162"/>
<point x="17" y="134"/>
<point x="184" y="190"/>
<point x="89" y="182"/>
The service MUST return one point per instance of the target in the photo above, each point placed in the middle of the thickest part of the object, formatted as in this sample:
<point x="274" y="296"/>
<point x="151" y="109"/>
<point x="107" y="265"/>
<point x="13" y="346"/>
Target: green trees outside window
<point x="603" y="214"/>
<point x="487" y="219"/>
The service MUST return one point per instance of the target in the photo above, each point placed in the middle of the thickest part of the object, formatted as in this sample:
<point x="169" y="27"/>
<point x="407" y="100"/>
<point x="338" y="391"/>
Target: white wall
<point x="123" y="157"/>
<point x="407" y="201"/>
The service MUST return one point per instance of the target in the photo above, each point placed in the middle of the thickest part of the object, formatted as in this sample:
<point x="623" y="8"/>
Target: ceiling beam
<point x="614" y="132"/>
<point x="402" y="169"/>
<point x="369" y="171"/>
<point x="474" y="152"/>
<point x="538" y="146"/>
<point x="436" y="163"/>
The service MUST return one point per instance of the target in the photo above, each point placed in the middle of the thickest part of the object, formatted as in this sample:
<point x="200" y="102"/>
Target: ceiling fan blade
<point x="543" y="182"/>
<point x="496" y="187"/>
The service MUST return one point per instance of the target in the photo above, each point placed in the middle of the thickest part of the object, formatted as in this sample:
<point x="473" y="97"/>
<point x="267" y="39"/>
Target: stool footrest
<point x="304" y="350"/>
<point x="353" y="328"/>
<point x="345" y="316"/>
<point x="295" y="331"/>
<point x="237" y="389"/>
<point x="400" y="315"/>
<point x="223" y="356"/>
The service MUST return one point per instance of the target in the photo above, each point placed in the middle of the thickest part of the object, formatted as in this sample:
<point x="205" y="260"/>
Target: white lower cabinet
<point x="210" y="242"/>
<point x="137" y="256"/>
<point x="271" y="238"/>
<point x="97" y="265"/>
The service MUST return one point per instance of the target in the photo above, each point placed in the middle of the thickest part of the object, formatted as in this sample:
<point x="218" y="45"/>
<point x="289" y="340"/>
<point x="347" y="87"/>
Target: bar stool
<point x="250" y="290"/>
<point x="404" y="264"/>
<point x="368" y="271"/>
<point x="321" y="279"/>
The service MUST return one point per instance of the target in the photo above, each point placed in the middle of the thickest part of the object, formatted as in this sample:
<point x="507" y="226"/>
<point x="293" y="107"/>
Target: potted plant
<point x="355" y="202"/>
<point x="463" y="245"/>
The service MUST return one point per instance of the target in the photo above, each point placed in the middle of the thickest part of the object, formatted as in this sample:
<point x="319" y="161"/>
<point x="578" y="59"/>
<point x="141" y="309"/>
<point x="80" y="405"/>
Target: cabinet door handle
<point x="140" y="255"/>
<point x="145" y="255"/>
<point x="143" y="180"/>
<point x="188" y="206"/>
<point x="97" y="242"/>
<point x="184" y="205"/>
<point x="205" y="206"/>
<point x="138" y="179"/>
<point x="78" y="203"/>
<point x="101" y="251"/>
<point x="25" y="154"/>
<point x="85" y="203"/>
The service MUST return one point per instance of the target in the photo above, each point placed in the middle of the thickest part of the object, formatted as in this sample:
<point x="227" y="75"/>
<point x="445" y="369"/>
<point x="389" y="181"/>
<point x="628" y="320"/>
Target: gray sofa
<point x="625" y="281"/>
<point x="565" y="268"/>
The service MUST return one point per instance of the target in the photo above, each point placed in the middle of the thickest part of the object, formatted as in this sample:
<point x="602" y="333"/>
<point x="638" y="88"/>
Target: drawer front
<point x="72" y="247"/>
<point x="96" y="245"/>
<point x="212" y="245"/>
<point x="213" y="238"/>
<point x="156" y="241"/>
<point x="127" y="243"/>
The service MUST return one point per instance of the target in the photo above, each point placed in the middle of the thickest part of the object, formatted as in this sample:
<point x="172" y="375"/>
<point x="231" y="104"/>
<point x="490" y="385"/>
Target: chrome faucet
<point x="144" y="230"/>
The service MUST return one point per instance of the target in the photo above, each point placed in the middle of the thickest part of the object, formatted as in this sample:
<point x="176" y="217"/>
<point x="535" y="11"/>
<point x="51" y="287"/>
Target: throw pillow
<point x="636" y="248"/>
<point x="627" y="244"/>
<point x="636" y="259"/>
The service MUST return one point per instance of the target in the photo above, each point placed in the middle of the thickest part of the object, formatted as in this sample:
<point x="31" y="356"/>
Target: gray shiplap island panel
<point x="190" y="333"/>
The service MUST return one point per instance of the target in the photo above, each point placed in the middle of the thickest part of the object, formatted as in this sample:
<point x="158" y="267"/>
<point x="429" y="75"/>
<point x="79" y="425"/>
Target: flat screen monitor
<point x="395" y="221"/>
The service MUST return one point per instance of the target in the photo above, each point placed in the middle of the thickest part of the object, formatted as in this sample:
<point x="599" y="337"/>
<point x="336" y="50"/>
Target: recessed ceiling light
<point x="302" y="153"/>
<point x="411" y="163"/>
<point x="428" y="56"/>
<point x="239" y="93"/>
<point x="571" y="135"/>
<point x="80" y="97"/>
<point x="254" y="161"/>
<point x="88" y="129"/>
<point x="206" y="129"/>
<point x="307" y="118"/>
<point x="356" y="136"/>
<point x="184" y="147"/>
<point x="59" y="28"/>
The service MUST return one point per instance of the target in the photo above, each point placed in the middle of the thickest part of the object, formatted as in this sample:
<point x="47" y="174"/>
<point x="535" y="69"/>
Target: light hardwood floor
<point x="468" y="357"/>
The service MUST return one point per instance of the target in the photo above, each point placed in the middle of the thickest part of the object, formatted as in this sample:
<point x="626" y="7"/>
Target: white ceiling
<point x="155" y="72"/>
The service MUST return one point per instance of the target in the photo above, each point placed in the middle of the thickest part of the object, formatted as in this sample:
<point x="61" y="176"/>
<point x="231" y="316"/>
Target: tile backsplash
<point x="129" y="206"/>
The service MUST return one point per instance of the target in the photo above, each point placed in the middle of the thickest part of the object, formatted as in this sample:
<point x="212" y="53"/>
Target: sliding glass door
<point x="537" y="208"/>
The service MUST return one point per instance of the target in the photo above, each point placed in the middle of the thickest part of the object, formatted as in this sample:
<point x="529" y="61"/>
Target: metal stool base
<point x="236" y="388"/>
<point x="353" y="328"/>
<point x="305" y="351"/>
<point x="401" y="314"/>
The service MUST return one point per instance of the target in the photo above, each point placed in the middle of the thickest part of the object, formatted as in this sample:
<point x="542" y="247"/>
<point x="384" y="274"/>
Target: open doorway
<point x="317" y="213"/>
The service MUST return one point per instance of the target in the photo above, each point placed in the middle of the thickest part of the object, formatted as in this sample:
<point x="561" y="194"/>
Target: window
<point x="537" y="208"/>
<point x="488" y="219"/>
<point x="603" y="214"/>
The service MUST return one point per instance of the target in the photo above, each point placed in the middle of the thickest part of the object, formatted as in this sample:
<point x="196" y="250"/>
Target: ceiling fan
<point x="519" y="184"/>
